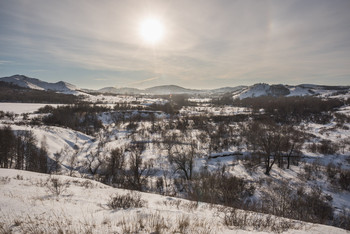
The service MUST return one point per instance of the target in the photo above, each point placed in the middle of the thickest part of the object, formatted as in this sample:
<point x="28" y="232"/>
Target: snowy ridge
<point x="299" y="91"/>
<point x="32" y="83"/>
<point x="262" y="89"/>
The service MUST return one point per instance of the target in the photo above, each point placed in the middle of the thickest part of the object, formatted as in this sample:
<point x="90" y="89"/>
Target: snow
<point x="226" y="110"/>
<point x="29" y="205"/>
<point x="200" y="100"/>
<point x="298" y="91"/>
<point x="256" y="91"/>
<point x="344" y="110"/>
<point x="108" y="99"/>
<point x="20" y="108"/>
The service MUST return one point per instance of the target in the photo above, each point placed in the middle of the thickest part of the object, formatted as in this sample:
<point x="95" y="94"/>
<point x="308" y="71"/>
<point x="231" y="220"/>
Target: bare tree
<point x="139" y="171"/>
<point x="293" y="143"/>
<point x="116" y="166"/>
<point x="72" y="161"/>
<point x="267" y="138"/>
<point x="182" y="158"/>
<point x="94" y="161"/>
<point x="7" y="145"/>
<point x="169" y="141"/>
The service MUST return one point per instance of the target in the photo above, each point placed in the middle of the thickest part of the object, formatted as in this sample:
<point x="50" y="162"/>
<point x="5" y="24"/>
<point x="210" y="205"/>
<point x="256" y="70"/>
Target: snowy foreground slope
<point x="29" y="203"/>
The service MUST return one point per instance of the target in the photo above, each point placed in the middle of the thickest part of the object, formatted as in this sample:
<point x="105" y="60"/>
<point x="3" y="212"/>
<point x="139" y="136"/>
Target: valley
<point x="257" y="153"/>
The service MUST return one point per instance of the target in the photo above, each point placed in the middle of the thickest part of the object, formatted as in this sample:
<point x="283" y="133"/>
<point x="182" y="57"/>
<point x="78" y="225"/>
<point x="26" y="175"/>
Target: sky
<point x="205" y="44"/>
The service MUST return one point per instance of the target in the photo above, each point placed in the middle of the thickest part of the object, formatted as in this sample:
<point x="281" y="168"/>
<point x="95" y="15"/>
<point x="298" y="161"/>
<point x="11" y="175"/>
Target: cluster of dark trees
<point x="287" y="110"/>
<point x="174" y="104"/>
<point x="18" y="150"/>
<point x="274" y="143"/>
<point x="13" y="93"/>
<point x="84" y="117"/>
<point x="219" y="187"/>
<point x="123" y="168"/>
<point x="292" y="110"/>
<point x="80" y="117"/>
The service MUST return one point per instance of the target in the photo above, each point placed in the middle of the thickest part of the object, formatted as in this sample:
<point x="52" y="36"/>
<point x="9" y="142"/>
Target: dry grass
<point x="258" y="222"/>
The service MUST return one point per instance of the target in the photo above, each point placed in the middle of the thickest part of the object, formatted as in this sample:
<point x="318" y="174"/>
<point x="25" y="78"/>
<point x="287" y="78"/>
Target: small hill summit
<point x="33" y="83"/>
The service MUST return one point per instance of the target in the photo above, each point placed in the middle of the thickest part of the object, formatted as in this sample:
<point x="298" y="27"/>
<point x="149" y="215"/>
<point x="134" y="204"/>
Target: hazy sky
<point x="206" y="43"/>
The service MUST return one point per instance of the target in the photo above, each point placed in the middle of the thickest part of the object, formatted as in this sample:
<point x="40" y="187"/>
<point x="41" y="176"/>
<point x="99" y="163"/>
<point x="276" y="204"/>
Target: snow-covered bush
<point x="56" y="186"/>
<point x="129" y="200"/>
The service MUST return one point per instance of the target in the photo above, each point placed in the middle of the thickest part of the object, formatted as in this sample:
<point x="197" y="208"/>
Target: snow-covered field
<point x="122" y="99"/>
<point x="227" y="110"/>
<point x="20" y="108"/>
<point x="29" y="203"/>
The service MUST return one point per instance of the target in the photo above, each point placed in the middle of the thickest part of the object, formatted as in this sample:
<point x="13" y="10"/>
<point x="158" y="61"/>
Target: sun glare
<point x="151" y="30"/>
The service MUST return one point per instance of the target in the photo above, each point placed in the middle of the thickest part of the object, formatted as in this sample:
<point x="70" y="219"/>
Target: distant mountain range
<point x="169" y="89"/>
<point x="240" y="92"/>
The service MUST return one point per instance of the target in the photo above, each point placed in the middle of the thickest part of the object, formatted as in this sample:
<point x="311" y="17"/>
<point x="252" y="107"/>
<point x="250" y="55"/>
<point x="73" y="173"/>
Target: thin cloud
<point x="4" y="62"/>
<point x="143" y="81"/>
<point x="38" y="70"/>
<point x="101" y="79"/>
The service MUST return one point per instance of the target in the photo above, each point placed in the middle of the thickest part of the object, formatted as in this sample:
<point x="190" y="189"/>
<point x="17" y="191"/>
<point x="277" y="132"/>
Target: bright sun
<point x="151" y="30"/>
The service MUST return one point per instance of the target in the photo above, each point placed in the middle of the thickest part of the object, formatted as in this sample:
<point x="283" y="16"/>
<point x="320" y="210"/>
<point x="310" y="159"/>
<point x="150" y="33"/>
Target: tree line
<point x="18" y="150"/>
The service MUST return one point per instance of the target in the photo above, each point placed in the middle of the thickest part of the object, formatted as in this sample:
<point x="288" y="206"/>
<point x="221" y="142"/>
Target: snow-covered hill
<point x="32" y="83"/>
<point x="263" y="89"/>
<point x="39" y="203"/>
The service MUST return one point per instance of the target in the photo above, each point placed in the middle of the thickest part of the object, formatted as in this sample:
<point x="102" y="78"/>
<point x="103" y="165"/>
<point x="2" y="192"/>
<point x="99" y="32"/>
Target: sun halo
<point x="151" y="30"/>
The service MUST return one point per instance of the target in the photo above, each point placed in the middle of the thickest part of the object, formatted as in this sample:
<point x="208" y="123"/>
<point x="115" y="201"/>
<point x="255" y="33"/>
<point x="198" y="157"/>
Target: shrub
<point x="332" y="171"/>
<point x="266" y="223"/>
<point x="327" y="147"/>
<point x="342" y="220"/>
<point x="129" y="200"/>
<point x="56" y="186"/>
<point x="344" y="180"/>
<point x="220" y="188"/>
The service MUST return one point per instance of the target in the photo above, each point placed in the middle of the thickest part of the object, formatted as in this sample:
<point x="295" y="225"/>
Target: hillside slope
<point x="31" y="203"/>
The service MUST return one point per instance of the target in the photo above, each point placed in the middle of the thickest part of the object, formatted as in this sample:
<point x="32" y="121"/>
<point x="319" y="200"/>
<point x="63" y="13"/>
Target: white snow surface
<point x="253" y="91"/>
<point x="20" y="108"/>
<point x="298" y="91"/>
<point x="28" y="205"/>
